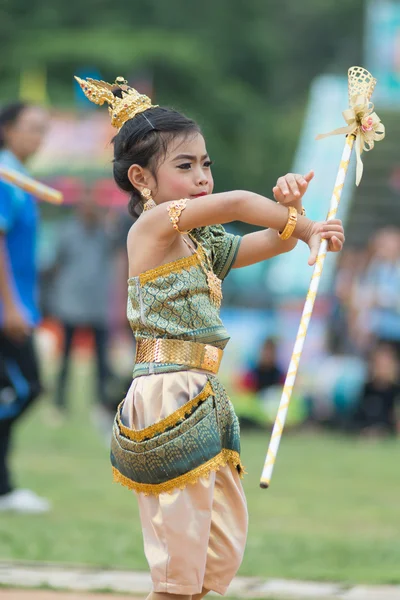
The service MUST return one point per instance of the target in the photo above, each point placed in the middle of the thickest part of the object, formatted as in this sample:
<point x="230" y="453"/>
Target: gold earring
<point x="148" y="202"/>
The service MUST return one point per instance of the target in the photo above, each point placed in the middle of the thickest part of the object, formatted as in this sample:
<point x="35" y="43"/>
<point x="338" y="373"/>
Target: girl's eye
<point x="208" y="163"/>
<point x="185" y="166"/>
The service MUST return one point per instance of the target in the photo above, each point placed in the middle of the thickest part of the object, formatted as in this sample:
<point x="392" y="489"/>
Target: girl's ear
<point x="137" y="176"/>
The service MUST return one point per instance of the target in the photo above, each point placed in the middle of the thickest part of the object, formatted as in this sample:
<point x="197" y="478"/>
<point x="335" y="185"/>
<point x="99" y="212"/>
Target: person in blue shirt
<point x="22" y="128"/>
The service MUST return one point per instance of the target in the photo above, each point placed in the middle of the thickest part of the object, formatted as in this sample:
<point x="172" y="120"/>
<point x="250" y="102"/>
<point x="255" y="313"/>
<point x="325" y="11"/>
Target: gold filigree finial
<point x="121" y="109"/>
<point x="361" y="83"/>
<point x="362" y="122"/>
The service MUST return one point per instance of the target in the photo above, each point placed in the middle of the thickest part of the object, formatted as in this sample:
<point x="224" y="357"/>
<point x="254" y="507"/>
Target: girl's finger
<point x="301" y="183"/>
<point x="313" y="255"/>
<point x="335" y="245"/>
<point x="329" y="235"/>
<point x="309" y="176"/>
<point x="300" y="180"/>
<point x="279" y="197"/>
<point x="292" y="183"/>
<point x="332" y="228"/>
<point x="282" y="185"/>
<point x="334" y="221"/>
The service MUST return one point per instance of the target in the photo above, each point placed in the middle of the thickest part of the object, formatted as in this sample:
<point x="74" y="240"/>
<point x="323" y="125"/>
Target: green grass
<point x="332" y="512"/>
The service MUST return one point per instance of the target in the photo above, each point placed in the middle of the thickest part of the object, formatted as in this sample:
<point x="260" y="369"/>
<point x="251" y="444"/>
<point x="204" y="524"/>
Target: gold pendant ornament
<point x="214" y="283"/>
<point x="215" y="288"/>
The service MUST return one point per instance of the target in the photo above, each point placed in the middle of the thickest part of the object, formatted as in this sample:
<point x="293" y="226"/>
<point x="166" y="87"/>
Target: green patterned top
<point x="173" y="302"/>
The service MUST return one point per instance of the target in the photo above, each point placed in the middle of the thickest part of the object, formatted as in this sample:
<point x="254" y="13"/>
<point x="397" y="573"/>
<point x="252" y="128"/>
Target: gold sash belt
<point x="179" y="352"/>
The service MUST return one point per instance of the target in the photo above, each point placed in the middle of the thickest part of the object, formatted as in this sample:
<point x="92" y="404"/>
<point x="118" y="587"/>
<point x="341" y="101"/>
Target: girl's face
<point x="185" y="172"/>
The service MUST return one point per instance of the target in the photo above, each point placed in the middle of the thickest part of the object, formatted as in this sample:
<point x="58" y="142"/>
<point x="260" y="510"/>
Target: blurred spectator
<point x="119" y="225"/>
<point x="266" y="373"/>
<point x="367" y="305"/>
<point x="376" y="299"/>
<point x="80" y="294"/>
<point x="376" y="411"/>
<point x="22" y="128"/>
<point x="343" y="335"/>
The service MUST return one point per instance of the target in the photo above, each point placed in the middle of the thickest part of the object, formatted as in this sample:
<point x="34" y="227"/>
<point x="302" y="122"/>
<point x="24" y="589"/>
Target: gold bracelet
<point x="175" y="209"/>
<point x="290" y="225"/>
<point x="302" y="213"/>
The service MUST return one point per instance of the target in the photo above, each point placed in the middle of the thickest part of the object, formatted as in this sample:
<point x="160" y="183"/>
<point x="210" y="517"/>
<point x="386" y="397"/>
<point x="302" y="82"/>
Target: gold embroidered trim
<point x="172" y="419"/>
<point x="172" y="267"/>
<point x="221" y="460"/>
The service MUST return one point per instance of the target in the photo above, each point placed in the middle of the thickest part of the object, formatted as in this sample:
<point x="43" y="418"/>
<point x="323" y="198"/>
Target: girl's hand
<point x="291" y="188"/>
<point x="329" y="230"/>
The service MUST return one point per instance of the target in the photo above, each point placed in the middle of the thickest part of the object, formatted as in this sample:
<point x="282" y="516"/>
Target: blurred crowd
<point x="83" y="295"/>
<point x="355" y="387"/>
<point x="367" y="295"/>
<point x="366" y="323"/>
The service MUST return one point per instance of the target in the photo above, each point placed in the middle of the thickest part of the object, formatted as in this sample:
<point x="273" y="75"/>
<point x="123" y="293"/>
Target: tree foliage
<point x="242" y="68"/>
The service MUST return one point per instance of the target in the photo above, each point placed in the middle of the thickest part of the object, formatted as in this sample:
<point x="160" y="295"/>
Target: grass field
<point x="332" y="513"/>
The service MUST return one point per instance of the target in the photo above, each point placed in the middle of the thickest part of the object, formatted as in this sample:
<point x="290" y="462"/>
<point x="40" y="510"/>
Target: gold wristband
<point x="302" y="212"/>
<point x="290" y="225"/>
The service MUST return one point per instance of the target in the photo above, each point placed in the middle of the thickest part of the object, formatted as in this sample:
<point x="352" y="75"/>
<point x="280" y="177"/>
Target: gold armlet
<point x="290" y="225"/>
<point x="175" y="209"/>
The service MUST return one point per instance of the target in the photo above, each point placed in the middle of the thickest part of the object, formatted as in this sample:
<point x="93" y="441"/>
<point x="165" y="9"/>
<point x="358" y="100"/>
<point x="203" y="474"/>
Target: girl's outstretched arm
<point x="224" y="208"/>
<point x="261" y="245"/>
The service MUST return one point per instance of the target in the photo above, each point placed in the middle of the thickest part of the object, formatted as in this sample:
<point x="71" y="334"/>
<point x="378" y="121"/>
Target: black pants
<point x="19" y="387"/>
<point x="102" y="371"/>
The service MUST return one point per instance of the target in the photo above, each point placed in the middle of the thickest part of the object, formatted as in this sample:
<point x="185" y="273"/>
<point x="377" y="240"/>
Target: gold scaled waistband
<point x="179" y="352"/>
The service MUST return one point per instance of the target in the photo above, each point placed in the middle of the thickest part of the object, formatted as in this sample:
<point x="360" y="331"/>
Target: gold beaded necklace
<point x="213" y="282"/>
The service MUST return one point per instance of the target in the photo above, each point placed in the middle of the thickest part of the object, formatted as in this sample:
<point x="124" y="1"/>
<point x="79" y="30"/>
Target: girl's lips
<point x="198" y="195"/>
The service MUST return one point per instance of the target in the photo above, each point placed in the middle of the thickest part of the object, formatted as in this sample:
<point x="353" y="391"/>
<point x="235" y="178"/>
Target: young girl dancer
<point x="176" y="436"/>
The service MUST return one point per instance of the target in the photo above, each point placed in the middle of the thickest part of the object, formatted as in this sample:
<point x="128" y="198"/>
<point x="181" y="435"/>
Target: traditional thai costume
<point x="175" y="438"/>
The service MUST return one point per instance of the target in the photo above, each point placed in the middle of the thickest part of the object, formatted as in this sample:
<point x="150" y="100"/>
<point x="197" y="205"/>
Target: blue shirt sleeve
<point x="7" y="207"/>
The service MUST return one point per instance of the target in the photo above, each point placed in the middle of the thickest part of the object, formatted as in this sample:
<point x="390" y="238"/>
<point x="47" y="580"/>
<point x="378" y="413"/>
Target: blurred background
<point x="262" y="78"/>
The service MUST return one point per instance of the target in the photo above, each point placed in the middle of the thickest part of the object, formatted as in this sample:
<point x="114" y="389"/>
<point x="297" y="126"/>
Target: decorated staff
<point x="41" y="191"/>
<point x="363" y="129"/>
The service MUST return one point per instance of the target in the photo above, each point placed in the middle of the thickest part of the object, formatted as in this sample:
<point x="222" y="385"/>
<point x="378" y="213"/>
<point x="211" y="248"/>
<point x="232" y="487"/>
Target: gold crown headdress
<point x="121" y="109"/>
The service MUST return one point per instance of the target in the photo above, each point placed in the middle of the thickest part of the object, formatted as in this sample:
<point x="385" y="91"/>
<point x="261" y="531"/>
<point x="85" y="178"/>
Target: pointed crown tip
<point x="121" y="109"/>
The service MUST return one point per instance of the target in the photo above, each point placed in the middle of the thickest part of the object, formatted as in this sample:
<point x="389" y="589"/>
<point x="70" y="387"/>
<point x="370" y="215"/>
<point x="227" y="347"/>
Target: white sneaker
<point x="24" y="501"/>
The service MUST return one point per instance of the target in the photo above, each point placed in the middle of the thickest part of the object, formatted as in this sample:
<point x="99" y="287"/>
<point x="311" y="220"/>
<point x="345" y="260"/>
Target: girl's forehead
<point x="193" y="144"/>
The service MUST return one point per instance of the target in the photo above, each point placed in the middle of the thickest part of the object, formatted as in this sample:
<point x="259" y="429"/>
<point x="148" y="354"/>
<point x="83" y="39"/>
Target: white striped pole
<point x="305" y="320"/>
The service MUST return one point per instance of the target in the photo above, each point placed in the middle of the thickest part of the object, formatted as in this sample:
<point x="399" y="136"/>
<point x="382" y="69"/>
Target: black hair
<point x="144" y="141"/>
<point x="8" y="115"/>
